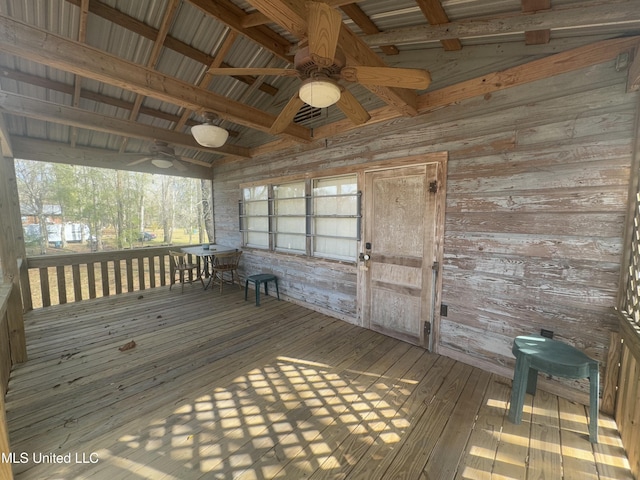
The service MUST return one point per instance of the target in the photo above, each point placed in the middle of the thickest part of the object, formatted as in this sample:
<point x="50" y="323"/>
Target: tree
<point x="126" y="201"/>
<point x="168" y="211"/>
<point x="65" y="193"/>
<point x="207" y="208"/>
<point x="35" y="181"/>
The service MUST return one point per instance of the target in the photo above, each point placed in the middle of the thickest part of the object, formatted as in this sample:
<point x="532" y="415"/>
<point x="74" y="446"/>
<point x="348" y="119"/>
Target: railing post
<point x="612" y="373"/>
<point x="120" y="271"/>
<point x="9" y="261"/>
<point x="5" y="467"/>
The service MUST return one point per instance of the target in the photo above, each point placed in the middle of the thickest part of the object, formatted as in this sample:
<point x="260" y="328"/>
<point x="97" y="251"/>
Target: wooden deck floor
<point x="219" y="389"/>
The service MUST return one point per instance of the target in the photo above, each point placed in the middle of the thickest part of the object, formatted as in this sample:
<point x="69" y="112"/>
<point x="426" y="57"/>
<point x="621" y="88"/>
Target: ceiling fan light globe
<point x="209" y="135"/>
<point x="162" y="163"/>
<point x="319" y="93"/>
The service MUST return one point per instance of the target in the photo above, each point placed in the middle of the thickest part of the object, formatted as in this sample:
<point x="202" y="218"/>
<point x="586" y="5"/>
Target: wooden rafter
<point x="258" y="18"/>
<point x="207" y="77"/>
<point x="82" y="36"/>
<point x="6" y="146"/>
<point x="43" y="47"/>
<point x="167" y="20"/>
<point x="133" y="24"/>
<point x="355" y="13"/>
<point x="57" y="152"/>
<point x="536" y="37"/>
<point x="22" y="106"/>
<point x="93" y="96"/>
<point x="547" y="67"/>
<point x="436" y="15"/>
<point x="292" y="16"/>
<point x="231" y="15"/>
<point x="633" y="78"/>
<point x="626" y="14"/>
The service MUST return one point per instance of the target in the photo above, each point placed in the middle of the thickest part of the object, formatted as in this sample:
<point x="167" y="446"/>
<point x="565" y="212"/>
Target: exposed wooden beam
<point x="292" y="16"/>
<point x="82" y="36"/>
<point x="207" y="78"/>
<point x="167" y="20"/>
<point x="258" y="18"/>
<point x="40" y="46"/>
<point x="286" y="13"/>
<point x="536" y="37"/>
<point x="231" y="15"/>
<point x="570" y="60"/>
<point x="133" y="24"/>
<point x="633" y="78"/>
<point x="6" y="148"/>
<point x="359" y="54"/>
<point x="355" y="13"/>
<point x="22" y="106"/>
<point x="436" y="15"/>
<point x="95" y="96"/>
<point x="626" y="14"/>
<point x="56" y="152"/>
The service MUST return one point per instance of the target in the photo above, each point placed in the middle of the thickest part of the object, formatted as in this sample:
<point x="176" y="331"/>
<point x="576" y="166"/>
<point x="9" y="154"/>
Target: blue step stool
<point x="536" y="353"/>
<point x="257" y="280"/>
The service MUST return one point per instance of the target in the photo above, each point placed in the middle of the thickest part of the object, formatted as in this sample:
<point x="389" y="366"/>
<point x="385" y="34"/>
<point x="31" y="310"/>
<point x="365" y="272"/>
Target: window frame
<point x="309" y="218"/>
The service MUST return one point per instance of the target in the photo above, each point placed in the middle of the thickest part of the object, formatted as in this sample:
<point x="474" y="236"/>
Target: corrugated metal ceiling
<point x="200" y="31"/>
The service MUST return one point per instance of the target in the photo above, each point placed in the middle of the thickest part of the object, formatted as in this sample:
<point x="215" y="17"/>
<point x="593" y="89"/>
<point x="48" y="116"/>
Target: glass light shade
<point x="162" y="163"/>
<point x="209" y="135"/>
<point x="319" y="93"/>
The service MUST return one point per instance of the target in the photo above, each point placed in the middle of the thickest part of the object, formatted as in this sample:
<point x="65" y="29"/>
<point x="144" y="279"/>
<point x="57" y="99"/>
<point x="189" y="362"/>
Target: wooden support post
<point x="20" y="248"/>
<point x="10" y="271"/>
<point x="5" y="467"/>
<point x="611" y="375"/>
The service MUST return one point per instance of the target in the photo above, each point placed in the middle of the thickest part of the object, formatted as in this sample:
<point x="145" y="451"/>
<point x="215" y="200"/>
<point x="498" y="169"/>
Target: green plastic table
<point x="263" y="278"/>
<point x="536" y="353"/>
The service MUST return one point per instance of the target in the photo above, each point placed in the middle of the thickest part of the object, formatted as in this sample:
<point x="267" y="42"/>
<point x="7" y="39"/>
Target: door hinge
<point x="433" y="186"/>
<point x="427" y="328"/>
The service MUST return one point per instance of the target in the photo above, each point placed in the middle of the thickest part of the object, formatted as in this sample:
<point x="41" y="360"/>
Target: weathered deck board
<point x="217" y="388"/>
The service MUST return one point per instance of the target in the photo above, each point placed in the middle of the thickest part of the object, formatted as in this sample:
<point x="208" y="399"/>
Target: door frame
<point x="440" y="159"/>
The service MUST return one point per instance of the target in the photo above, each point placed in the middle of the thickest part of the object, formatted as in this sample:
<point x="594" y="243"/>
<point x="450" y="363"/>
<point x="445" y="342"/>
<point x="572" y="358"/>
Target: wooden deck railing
<point x="5" y="349"/>
<point x="627" y="413"/>
<point x="58" y="279"/>
<point x="5" y="371"/>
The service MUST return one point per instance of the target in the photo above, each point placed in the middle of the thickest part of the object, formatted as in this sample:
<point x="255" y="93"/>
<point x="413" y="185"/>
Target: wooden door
<point x="399" y="238"/>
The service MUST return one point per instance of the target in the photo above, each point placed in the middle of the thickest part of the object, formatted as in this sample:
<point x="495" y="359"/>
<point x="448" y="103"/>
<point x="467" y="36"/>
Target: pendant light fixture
<point x="208" y="134"/>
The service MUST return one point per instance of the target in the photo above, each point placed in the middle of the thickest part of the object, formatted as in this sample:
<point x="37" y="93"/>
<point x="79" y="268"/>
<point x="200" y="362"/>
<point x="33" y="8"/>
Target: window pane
<point x="335" y="248"/>
<point x="256" y="220"/>
<point x="290" y="217"/>
<point x="335" y="210"/>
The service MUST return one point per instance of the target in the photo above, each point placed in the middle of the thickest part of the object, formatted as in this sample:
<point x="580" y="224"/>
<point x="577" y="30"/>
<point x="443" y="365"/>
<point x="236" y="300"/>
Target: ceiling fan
<point x="162" y="156"/>
<point x="319" y="63"/>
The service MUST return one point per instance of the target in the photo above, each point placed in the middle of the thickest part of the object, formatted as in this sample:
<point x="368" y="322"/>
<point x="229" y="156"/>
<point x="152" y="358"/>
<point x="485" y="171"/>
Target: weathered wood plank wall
<point x="537" y="190"/>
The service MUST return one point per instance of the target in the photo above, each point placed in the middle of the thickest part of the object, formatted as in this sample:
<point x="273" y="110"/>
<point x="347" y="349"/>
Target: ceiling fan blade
<point x="323" y="30"/>
<point x="179" y="165"/>
<point x="352" y="108"/>
<point x="194" y="161"/>
<point x="281" y="72"/>
<point x="140" y="160"/>
<point x="413" y="78"/>
<point x="286" y="115"/>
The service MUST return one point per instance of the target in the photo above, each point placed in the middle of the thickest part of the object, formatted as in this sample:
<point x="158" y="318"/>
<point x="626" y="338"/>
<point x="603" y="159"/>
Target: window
<point x="289" y="212"/>
<point x="319" y="217"/>
<point x="256" y="216"/>
<point x="335" y="217"/>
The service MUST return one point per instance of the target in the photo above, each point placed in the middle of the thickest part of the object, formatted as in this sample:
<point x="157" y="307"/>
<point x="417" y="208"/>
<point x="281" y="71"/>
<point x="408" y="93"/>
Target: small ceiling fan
<point x="319" y="63"/>
<point x="162" y="156"/>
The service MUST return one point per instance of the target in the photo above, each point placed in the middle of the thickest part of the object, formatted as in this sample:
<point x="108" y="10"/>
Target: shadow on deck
<point x="217" y="388"/>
